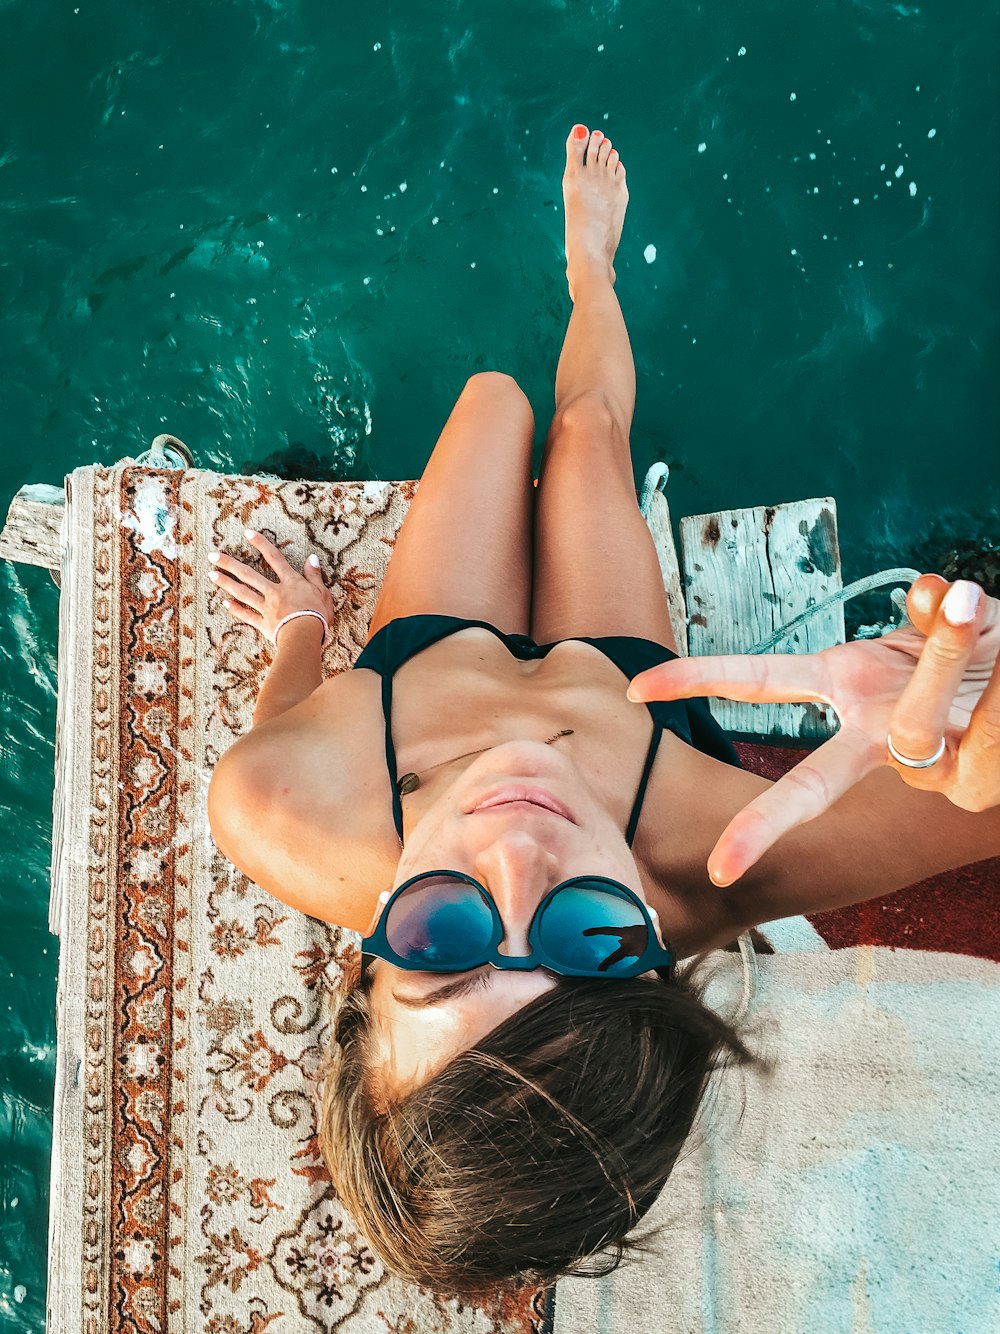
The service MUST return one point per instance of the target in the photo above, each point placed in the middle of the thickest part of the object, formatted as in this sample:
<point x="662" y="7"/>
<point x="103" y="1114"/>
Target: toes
<point x="595" y="148"/>
<point x="576" y="144"/>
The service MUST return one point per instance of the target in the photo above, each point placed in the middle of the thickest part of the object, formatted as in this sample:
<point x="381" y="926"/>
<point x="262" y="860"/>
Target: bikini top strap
<point x="390" y="754"/>
<point x="654" y="744"/>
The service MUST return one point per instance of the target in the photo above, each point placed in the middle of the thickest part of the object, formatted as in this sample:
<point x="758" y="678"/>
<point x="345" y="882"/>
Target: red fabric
<point x="955" y="912"/>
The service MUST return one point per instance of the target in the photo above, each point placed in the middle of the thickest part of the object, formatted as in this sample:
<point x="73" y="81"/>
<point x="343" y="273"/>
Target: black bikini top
<point x="402" y="639"/>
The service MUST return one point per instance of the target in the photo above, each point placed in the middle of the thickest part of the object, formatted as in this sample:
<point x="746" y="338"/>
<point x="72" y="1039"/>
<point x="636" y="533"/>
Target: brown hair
<point x="535" y="1152"/>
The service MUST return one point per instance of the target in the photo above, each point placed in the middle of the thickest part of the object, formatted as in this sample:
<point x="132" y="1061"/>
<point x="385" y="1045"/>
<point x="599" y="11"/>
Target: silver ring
<point x="914" y="764"/>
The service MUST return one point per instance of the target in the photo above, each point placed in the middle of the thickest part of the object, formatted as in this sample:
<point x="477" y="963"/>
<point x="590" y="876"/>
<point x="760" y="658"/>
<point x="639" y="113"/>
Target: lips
<point x="520" y="795"/>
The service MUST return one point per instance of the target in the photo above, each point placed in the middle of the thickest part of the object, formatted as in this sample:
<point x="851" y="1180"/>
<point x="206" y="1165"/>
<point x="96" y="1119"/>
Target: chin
<point x="522" y="759"/>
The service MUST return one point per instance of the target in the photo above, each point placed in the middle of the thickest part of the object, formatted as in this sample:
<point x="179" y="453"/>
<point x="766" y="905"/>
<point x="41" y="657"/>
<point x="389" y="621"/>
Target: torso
<point x="462" y="694"/>
<point x="473" y="685"/>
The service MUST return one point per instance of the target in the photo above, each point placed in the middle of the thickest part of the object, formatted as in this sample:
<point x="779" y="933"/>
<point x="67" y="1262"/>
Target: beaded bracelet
<point x="305" y="612"/>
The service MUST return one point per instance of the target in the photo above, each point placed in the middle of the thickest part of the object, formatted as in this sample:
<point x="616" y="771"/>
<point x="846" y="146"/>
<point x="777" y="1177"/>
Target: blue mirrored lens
<point x="594" y="928"/>
<point x="440" y="923"/>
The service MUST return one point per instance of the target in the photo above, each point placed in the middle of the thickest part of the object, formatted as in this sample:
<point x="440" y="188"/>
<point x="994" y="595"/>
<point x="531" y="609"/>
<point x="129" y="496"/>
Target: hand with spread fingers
<point x="269" y="604"/>
<point x="924" y="699"/>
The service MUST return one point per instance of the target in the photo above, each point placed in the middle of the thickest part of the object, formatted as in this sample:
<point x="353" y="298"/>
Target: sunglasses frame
<point x="654" y="956"/>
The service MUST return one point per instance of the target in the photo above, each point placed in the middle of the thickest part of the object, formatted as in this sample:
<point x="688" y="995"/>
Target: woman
<point x="522" y="1113"/>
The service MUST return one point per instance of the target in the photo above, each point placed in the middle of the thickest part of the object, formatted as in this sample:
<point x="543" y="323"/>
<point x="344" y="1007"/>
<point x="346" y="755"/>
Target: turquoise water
<point x="287" y="233"/>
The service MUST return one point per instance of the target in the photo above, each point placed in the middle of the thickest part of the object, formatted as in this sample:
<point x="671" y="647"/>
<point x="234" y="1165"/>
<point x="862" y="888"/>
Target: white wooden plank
<point x="658" y="519"/>
<point x="746" y="573"/>
<point x="31" y="533"/>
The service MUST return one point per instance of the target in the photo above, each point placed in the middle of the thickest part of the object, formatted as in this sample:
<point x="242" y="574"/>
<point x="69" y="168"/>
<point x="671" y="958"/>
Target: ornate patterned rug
<point x="188" y="1191"/>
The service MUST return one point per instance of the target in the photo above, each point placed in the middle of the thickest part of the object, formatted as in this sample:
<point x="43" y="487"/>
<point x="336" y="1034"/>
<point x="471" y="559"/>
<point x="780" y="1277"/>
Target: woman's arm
<point x="266" y="604"/>
<point x="296" y="806"/>
<point x="295" y="672"/>
<point x="879" y="837"/>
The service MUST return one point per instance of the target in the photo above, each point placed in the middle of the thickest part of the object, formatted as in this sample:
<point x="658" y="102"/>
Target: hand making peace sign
<point x="935" y="684"/>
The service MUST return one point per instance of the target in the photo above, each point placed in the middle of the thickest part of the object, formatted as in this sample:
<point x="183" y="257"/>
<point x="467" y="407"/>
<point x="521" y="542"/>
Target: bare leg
<point x="596" y="569"/>
<point x="465" y="545"/>
<point x="596" y="354"/>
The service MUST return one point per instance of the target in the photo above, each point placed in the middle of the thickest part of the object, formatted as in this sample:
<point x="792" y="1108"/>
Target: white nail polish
<point x="314" y="559"/>
<point x="213" y="575"/>
<point x="249" y="533"/>
<point x="961" y="602"/>
<point x="213" y="556"/>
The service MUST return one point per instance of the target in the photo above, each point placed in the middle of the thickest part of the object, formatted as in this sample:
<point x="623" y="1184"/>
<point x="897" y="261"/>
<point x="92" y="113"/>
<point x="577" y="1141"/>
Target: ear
<point x="352" y="972"/>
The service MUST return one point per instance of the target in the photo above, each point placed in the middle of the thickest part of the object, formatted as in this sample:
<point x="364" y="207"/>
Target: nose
<point x="518" y="870"/>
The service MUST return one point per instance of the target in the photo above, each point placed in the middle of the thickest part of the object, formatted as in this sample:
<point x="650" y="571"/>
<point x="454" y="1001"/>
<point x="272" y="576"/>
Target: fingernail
<point x="633" y="695"/>
<point x="249" y="534"/>
<point x="213" y="556"/>
<point x="961" y="602"/>
<point x="313" y="559"/>
<point x="214" y="575"/>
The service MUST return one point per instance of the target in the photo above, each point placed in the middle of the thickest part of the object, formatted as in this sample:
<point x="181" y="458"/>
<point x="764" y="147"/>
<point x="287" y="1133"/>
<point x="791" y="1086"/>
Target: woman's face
<point x="519" y="851"/>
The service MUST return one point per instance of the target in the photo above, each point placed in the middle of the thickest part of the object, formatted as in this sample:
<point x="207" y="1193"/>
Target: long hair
<point x="534" y="1153"/>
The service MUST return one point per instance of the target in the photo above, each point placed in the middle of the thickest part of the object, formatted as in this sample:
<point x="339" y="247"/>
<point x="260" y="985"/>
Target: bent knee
<point x="592" y="413"/>
<point x="493" y="392"/>
<point x="496" y="385"/>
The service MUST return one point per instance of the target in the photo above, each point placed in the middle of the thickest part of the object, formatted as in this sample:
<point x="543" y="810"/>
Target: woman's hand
<point x="938" y="679"/>
<point x="262" y="602"/>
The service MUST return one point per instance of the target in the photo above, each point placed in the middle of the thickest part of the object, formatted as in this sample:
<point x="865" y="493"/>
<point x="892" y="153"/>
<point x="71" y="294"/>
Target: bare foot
<point x="595" y="196"/>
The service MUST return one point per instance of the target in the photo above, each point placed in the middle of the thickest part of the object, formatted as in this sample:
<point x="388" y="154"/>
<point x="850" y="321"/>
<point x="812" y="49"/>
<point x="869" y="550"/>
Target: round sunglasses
<point x="447" y="922"/>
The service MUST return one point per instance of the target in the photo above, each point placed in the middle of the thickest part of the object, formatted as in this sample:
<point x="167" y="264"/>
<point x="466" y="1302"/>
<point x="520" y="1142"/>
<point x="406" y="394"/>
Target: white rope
<point x="748" y="958"/>
<point x="656" y="480"/>
<point x="902" y="575"/>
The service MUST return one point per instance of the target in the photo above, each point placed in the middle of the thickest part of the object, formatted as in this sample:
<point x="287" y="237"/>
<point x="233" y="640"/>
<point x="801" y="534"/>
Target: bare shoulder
<point x="878" y="837"/>
<point x="698" y="796"/>
<point x="302" y="805"/>
<point x="690" y="800"/>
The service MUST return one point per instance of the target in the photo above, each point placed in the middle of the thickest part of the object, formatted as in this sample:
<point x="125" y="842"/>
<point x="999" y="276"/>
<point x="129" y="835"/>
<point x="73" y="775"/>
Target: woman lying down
<point x="531" y="856"/>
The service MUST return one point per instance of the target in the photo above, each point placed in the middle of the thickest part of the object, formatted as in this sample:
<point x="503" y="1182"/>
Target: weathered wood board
<point x="746" y="573"/>
<point x="658" y="521"/>
<point x="31" y="533"/>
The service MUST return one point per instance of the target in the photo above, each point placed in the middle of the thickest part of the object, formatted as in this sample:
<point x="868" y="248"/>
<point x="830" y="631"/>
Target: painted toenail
<point x="579" y="131"/>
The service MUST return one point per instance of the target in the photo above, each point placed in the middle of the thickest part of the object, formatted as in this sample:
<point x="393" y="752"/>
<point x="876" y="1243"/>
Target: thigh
<point x="596" y="571"/>
<point x="465" y="545"/>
